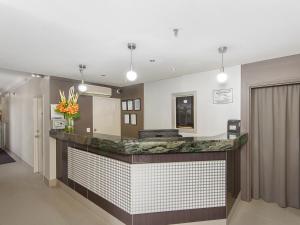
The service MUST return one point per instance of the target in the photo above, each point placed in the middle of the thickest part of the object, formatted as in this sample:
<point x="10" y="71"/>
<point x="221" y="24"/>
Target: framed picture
<point x="129" y="105"/>
<point x="133" y="119"/>
<point x="137" y="104"/>
<point x="223" y="96"/>
<point x="124" y="105"/>
<point x="126" y="119"/>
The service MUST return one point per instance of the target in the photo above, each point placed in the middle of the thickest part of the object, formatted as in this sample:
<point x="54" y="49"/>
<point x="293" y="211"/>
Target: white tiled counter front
<point x="152" y="187"/>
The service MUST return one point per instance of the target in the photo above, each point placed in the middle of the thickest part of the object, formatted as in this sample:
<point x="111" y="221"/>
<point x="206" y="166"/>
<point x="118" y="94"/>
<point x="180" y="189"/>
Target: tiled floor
<point x="26" y="200"/>
<point x="258" y="212"/>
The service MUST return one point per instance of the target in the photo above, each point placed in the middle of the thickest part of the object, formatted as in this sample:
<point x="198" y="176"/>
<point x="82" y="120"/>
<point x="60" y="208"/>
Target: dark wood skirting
<point x="178" y="157"/>
<point x="80" y="189"/>
<point x="181" y="216"/>
<point x="233" y="178"/>
<point x="161" y="218"/>
<point x="110" y="208"/>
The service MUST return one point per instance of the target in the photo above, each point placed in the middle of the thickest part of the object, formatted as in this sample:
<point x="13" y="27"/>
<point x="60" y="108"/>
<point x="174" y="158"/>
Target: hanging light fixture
<point x="82" y="87"/>
<point x="131" y="75"/>
<point x="222" y="77"/>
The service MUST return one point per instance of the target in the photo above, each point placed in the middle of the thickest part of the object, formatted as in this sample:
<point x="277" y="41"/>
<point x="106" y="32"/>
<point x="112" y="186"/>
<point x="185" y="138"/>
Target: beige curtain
<point x="275" y="122"/>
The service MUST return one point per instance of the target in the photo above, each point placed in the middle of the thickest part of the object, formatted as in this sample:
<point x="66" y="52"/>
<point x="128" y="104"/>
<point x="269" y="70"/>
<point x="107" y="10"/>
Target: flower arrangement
<point x="69" y="107"/>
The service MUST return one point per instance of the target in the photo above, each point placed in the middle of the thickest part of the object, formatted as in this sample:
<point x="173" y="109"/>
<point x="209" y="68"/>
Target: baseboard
<point x="233" y="209"/>
<point x="50" y="183"/>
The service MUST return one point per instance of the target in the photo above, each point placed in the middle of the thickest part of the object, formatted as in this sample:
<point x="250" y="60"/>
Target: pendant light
<point x="222" y="77"/>
<point x="131" y="75"/>
<point x="82" y="87"/>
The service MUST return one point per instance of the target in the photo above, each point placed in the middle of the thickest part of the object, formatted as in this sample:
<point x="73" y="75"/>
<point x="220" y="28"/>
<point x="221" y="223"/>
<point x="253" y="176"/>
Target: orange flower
<point x="69" y="107"/>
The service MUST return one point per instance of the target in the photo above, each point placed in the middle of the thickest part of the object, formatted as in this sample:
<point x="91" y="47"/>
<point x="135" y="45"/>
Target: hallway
<point x="26" y="200"/>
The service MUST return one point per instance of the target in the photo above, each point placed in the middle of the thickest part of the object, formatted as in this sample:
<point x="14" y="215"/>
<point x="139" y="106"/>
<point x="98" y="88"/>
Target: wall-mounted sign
<point x="126" y="119"/>
<point x="223" y="96"/>
<point x="124" y="105"/>
<point x="137" y="104"/>
<point x="133" y="119"/>
<point x="54" y="114"/>
<point x="129" y="105"/>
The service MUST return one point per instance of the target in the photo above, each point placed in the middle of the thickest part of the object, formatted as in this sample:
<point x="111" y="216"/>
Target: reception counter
<point x="154" y="180"/>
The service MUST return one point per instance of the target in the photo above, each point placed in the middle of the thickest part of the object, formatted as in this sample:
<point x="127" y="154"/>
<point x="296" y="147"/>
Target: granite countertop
<point x="161" y="145"/>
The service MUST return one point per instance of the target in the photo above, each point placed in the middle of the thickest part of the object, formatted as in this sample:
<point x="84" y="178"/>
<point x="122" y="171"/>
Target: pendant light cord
<point x="131" y="67"/>
<point x="81" y="73"/>
<point x="81" y="68"/>
<point x="222" y="67"/>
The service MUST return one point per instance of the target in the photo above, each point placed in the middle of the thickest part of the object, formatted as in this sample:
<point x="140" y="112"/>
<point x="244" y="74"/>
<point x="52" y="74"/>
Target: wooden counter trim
<point x="152" y="158"/>
<point x="178" y="157"/>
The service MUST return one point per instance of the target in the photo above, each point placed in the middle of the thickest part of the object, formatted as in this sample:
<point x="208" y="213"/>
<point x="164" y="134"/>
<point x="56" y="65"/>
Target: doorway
<point x="38" y="116"/>
<point x="275" y="144"/>
<point x="107" y="115"/>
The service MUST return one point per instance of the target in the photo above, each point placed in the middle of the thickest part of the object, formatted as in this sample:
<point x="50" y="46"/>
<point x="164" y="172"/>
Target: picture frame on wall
<point x="124" y="105"/>
<point x="223" y="96"/>
<point x="129" y="105"/>
<point x="137" y="104"/>
<point x="126" y="119"/>
<point x="133" y="119"/>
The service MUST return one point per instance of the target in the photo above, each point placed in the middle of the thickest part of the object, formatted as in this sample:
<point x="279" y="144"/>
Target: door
<point x="38" y="134"/>
<point x="107" y="115"/>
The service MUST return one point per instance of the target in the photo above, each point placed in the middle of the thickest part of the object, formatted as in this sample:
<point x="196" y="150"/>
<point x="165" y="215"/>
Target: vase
<point x="69" y="125"/>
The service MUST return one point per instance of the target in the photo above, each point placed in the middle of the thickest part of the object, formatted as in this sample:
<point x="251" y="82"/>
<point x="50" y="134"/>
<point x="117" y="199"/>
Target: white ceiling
<point x="53" y="36"/>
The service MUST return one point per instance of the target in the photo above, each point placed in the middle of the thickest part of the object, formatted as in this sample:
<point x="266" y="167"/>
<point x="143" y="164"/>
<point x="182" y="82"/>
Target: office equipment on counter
<point x="58" y="124"/>
<point x="159" y="133"/>
<point x="233" y="129"/>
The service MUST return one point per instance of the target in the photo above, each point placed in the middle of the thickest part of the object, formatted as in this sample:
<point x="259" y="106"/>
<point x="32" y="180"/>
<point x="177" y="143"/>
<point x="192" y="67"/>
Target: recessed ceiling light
<point x="175" y="32"/>
<point x="173" y="69"/>
<point x="36" y="75"/>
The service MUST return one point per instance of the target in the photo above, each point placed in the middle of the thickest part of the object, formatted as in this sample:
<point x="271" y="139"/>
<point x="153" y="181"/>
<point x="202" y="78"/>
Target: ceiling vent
<point x="93" y="90"/>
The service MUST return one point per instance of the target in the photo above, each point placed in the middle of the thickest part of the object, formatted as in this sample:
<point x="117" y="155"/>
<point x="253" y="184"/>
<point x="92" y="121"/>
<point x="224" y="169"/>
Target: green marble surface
<point x="126" y="146"/>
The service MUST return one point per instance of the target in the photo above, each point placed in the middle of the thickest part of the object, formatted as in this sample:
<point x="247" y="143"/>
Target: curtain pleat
<point x="275" y="145"/>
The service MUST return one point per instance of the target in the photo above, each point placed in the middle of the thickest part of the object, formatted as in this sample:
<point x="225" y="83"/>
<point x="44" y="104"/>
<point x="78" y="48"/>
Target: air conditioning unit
<point x="93" y="90"/>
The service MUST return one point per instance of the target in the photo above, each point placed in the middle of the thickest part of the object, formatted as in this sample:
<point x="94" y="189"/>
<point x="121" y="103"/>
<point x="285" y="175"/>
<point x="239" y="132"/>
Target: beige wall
<point x="18" y="113"/>
<point x="270" y="72"/>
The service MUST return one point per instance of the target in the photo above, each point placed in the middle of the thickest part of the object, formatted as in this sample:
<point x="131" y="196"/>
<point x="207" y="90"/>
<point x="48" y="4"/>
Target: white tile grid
<point x="163" y="187"/>
<point x="106" y="177"/>
<point x="146" y="188"/>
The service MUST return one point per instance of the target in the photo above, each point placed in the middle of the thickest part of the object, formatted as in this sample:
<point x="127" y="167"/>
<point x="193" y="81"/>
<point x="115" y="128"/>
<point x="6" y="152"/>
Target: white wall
<point x="211" y="118"/>
<point x="19" y="115"/>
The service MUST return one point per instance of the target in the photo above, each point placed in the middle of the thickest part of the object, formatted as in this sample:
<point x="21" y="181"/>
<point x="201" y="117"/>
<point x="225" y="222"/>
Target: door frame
<point x="38" y="134"/>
